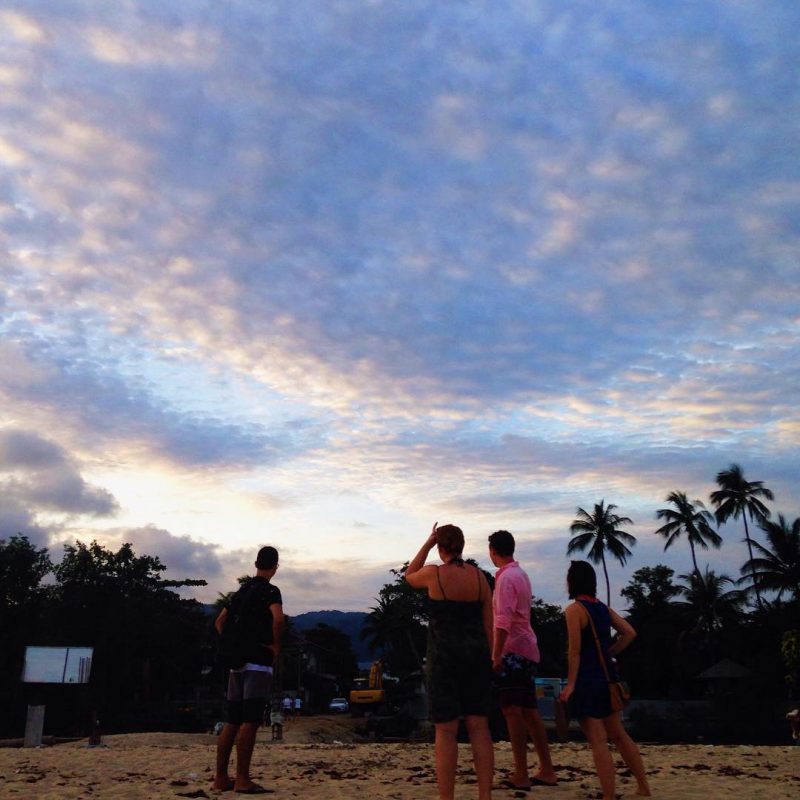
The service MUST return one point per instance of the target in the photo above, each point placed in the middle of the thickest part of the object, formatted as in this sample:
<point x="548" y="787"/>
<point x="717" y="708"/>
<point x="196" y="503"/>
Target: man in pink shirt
<point x="515" y="659"/>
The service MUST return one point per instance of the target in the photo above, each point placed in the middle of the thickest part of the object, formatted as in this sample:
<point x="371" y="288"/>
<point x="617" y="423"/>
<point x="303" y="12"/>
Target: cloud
<point x="401" y="257"/>
<point x="37" y="473"/>
<point x="349" y="253"/>
<point x="107" y="406"/>
<point x="15" y="519"/>
<point x="183" y="556"/>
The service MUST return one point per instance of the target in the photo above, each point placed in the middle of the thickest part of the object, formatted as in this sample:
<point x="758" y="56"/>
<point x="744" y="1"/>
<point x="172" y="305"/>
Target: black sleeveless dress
<point x="458" y="664"/>
<point x="591" y="698"/>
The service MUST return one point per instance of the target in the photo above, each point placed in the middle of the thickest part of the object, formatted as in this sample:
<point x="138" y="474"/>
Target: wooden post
<point x="34" y="726"/>
<point x="95" y="739"/>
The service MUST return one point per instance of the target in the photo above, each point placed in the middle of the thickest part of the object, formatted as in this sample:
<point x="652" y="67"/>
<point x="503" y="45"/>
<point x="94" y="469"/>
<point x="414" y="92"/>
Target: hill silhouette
<point x="349" y="622"/>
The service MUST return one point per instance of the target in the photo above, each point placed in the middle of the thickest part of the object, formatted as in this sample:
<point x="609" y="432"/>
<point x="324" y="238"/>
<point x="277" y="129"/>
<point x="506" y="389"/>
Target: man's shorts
<point x="247" y="695"/>
<point x="516" y="681"/>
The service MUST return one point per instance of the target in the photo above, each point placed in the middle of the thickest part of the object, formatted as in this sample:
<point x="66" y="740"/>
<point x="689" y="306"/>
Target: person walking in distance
<point x="515" y="660"/>
<point x="250" y="634"/>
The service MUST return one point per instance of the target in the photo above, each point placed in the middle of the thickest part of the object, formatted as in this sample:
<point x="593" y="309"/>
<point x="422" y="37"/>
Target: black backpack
<point x="247" y="630"/>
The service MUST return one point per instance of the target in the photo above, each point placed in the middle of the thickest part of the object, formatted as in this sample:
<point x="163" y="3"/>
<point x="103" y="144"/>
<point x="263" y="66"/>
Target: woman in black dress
<point x="458" y="663"/>
<point x="586" y="691"/>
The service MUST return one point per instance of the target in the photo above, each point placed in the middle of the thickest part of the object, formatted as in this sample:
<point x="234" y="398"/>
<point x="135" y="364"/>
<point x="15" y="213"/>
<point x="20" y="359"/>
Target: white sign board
<point x="57" y="664"/>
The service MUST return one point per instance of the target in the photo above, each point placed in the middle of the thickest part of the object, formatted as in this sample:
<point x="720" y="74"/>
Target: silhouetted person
<point x="256" y="611"/>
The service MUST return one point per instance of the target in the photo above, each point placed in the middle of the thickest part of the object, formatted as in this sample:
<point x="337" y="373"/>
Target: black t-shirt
<point x="250" y="612"/>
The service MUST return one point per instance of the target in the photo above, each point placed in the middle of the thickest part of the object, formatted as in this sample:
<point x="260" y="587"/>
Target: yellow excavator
<point x="368" y="694"/>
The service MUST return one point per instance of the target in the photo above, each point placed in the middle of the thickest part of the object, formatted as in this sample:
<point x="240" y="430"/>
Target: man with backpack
<point x="249" y="628"/>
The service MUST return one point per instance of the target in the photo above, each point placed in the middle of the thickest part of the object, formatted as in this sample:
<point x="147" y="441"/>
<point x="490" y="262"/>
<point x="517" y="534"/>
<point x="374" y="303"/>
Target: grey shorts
<point x="247" y="696"/>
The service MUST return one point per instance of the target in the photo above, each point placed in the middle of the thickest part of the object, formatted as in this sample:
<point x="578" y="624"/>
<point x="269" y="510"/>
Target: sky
<point x="318" y="274"/>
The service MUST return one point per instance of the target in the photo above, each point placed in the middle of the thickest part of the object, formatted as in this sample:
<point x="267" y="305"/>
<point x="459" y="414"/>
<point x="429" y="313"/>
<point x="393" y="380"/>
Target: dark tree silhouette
<point x="737" y="497"/>
<point x="650" y="591"/>
<point x="777" y="568"/>
<point x="22" y="568"/>
<point x="395" y="627"/>
<point x="147" y="640"/>
<point x="708" y="604"/>
<point x="687" y="518"/>
<point x="599" y="532"/>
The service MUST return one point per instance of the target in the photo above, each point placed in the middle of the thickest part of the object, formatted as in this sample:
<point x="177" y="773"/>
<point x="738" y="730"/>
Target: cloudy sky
<point x="317" y="274"/>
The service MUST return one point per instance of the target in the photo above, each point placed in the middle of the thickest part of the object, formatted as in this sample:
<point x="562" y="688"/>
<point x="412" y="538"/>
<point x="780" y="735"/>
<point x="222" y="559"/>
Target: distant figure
<point x="586" y="691"/>
<point x="298" y="706"/>
<point x="459" y="666"/>
<point x="276" y="721"/>
<point x="794" y="724"/>
<point x="515" y="661"/>
<point x="256" y="614"/>
<point x="288" y="705"/>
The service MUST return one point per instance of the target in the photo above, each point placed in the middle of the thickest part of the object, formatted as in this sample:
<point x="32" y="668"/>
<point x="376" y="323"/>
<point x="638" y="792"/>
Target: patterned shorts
<point x="516" y="681"/>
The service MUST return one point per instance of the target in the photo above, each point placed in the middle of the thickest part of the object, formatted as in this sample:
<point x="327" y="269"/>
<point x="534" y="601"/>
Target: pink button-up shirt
<point x="511" y="604"/>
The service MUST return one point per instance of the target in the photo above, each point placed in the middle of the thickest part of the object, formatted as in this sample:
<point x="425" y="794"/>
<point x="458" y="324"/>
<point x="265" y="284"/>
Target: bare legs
<point x="227" y="737"/>
<point x="245" y="742"/>
<point x="598" y="732"/>
<point x="595" y="732"/>
<point x="446" y="749"/>
<point x="628" y="751"/>
<point x="521" y="723"/>
<point x="482" y="754"/>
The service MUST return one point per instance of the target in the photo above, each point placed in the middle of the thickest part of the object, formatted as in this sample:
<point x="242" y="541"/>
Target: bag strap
<point x="600" y="655"/>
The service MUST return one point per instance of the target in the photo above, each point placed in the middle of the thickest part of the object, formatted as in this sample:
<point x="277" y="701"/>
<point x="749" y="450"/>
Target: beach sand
<point x="320" y="759"/>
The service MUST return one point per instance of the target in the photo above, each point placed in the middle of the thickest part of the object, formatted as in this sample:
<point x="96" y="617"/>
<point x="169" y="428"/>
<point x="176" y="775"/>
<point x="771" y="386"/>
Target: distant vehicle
<point x="368" y="694"/>
<point x="338" y="705"/>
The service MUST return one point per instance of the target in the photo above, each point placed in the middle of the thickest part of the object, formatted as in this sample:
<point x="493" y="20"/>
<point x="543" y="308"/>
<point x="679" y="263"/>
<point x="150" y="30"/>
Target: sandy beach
<point x="321" y="759"/>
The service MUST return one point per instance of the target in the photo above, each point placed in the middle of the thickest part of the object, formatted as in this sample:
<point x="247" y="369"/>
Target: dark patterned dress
<point x="458" y="665"/>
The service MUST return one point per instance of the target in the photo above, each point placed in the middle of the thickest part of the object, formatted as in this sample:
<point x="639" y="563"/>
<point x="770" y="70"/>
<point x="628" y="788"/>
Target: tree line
<point x="150" y="645"/>
<point x="774" y="568"/>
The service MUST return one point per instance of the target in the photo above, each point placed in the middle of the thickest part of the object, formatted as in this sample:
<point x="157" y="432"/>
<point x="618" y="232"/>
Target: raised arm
<point x="417" y="574"/>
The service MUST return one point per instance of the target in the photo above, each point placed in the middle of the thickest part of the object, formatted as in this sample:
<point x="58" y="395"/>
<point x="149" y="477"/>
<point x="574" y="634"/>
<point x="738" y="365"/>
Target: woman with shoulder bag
<point x="591" y="677"/>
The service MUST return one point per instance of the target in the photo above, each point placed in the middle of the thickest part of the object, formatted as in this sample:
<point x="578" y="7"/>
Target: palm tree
<point x="599" y="532"/>
<point x="738" y="497"/>
<point x="380" y="626"/>
<point x="390" y="629"/>
<point x="690" y="518"/>
<point x="778" y="569"/>
<point x="708" y="606"/>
